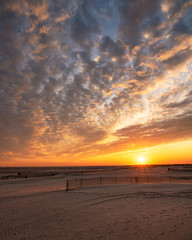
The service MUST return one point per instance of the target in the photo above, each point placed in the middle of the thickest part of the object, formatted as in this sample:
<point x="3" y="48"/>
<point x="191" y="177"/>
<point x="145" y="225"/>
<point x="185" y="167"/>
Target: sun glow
<point x="141" y="160"/>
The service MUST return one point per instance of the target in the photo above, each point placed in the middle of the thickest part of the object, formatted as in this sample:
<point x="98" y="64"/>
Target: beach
<point x="41" y="208"/>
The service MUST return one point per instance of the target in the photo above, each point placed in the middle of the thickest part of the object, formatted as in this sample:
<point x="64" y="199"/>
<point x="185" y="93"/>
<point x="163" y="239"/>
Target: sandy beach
<point x="40" y="208"/>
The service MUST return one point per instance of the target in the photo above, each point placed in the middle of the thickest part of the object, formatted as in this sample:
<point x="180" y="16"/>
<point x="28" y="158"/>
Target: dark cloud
<point x="134" y="14"/>
<point x="115" y="49"/>
<point x="90" y="134"/>
<point x="182" y="27"/>
<point x="84" y="24"/>
<point x="179" y="58"/>
<point x="159" y="132"/>
<point x="186" y="102"/>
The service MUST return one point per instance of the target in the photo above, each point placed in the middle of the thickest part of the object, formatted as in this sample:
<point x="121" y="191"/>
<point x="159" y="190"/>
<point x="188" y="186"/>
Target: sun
<point x="141" y="160"/>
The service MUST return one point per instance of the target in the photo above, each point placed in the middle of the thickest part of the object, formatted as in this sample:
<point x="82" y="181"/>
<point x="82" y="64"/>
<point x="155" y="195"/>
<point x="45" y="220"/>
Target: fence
<point x="81" y="183"/>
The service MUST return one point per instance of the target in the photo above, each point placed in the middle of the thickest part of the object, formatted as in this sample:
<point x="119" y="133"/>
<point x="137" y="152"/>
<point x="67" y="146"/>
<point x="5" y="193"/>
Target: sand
<point x="40" y="208"/>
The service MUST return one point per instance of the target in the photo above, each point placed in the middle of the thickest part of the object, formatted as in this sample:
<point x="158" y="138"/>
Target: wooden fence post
<point x="67" y="185"/>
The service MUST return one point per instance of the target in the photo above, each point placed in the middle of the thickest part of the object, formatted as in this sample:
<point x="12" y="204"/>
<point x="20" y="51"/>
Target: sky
<point x="95" y="82"/>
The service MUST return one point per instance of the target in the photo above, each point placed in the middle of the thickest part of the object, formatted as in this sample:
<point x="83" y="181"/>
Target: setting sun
<point x="141" y="160"/>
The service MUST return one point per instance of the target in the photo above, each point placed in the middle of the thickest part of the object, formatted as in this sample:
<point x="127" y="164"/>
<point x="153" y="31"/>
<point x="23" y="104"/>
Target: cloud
<point x="83" y="24"/>
<point x="113" y="49"/>
<point x="159" y="132"/>
<point x="178" y="59"/>
<point x="90" y="134"/>
<point x="133" y="15"/>
<point x="74" y="72"/>
<point x="186" y="102"/>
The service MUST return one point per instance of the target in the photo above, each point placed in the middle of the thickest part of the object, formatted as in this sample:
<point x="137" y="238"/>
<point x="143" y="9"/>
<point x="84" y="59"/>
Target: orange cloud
<point x="62" y="17"/>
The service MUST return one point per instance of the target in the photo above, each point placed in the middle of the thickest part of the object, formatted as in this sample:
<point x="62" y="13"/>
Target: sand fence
<point x="87" y="182"/>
